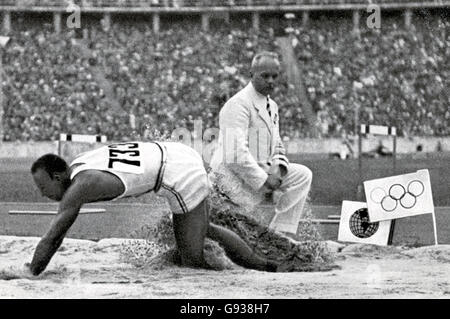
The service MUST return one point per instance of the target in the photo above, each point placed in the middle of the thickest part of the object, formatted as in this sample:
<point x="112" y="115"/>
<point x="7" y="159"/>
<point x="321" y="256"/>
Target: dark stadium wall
<point x="170" y="20"/>
<point x="27" y="20"/>
<point x="276" y="20"/>
<point x="21" y="21"/>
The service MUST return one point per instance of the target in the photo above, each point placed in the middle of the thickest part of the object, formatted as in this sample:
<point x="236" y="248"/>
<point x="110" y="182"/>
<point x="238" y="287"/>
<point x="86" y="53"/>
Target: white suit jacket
<point x="249" y="138"/>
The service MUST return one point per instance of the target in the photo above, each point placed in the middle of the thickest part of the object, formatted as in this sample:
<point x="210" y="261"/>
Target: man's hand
<point x="278" y="170"/>
<point x="273" y="181"/>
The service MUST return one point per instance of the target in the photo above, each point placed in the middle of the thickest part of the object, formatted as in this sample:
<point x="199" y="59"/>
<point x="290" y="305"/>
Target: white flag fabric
<point x="355" y="226"/>
<point x="399" y="196"/>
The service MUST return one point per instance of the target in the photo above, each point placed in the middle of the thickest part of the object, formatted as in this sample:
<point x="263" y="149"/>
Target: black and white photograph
<point x="242" y="151"/>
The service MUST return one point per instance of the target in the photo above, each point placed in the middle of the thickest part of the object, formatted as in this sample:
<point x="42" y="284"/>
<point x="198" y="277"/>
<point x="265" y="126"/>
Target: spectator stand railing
<point x="198" y="6"/>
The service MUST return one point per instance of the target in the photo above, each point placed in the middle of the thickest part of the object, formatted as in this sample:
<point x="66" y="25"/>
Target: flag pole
<point x="434" y="228"/>
<point x="391" y="232"/>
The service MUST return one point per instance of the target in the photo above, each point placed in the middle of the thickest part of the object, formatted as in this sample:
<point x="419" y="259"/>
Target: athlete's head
<point x="265" y="71"/>
<point x="51" y="175"/>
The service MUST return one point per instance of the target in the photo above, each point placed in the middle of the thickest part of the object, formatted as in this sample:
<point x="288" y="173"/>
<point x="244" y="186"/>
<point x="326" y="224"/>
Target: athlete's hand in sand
<point x="26" y="271"/>
<point x="13" y="272"/>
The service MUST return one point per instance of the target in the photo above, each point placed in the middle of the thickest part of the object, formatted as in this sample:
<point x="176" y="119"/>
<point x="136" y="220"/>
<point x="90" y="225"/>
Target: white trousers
<point x="290" y="204"/>
<point x="290" y="198"/>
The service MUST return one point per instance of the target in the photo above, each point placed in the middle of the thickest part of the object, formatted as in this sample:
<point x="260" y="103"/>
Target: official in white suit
<point x="250" y="159"/>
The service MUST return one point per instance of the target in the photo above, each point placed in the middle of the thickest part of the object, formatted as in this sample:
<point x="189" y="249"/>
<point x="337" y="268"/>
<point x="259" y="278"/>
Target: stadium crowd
<point x="396" y="76"/>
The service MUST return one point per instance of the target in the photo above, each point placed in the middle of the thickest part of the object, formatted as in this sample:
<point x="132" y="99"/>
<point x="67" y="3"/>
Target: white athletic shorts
<point x="185" y="182"/>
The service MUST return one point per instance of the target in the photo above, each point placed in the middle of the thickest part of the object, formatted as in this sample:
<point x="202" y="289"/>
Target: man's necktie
<point x="268" y="107"/>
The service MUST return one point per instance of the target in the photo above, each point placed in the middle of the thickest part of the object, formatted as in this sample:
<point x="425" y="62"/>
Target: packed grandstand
<point x="397" y="75"/>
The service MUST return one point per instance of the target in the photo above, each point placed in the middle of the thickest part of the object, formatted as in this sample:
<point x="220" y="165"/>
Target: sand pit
<point x="139" y="268"/>
<point x="86" y="269"/>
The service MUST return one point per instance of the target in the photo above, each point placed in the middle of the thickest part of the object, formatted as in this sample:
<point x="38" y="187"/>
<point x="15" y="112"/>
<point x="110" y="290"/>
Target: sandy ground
<point x="86" y="269"/>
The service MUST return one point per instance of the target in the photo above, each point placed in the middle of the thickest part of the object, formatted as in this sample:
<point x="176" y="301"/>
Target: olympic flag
<point x="400" y="196"/>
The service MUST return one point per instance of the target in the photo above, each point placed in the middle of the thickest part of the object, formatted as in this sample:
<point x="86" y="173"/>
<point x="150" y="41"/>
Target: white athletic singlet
<point x="172" y="170"/>
<point x="137" y="165"/>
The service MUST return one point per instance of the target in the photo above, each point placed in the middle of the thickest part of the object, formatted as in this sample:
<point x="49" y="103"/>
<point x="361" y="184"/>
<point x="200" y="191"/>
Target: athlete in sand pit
<point x="171" y="170"/>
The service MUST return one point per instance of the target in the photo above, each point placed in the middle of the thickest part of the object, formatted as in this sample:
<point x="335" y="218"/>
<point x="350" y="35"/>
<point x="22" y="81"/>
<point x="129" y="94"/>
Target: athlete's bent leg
<point x="190" y="232"/>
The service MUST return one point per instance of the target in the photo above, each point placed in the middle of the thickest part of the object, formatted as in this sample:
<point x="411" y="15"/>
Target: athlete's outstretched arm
<point x="67" y="214"/>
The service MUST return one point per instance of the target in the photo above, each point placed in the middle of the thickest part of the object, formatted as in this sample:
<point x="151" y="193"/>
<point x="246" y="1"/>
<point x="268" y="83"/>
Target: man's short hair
<point x="50" y="163"/>
<point x="264" y="54"/>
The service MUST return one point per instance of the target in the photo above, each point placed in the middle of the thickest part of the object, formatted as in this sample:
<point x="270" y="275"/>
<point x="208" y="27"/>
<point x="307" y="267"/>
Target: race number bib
<point x="125" y="157"/>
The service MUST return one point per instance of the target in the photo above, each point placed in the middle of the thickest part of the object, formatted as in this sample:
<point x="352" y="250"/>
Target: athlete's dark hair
<point x="51" y="163"/>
